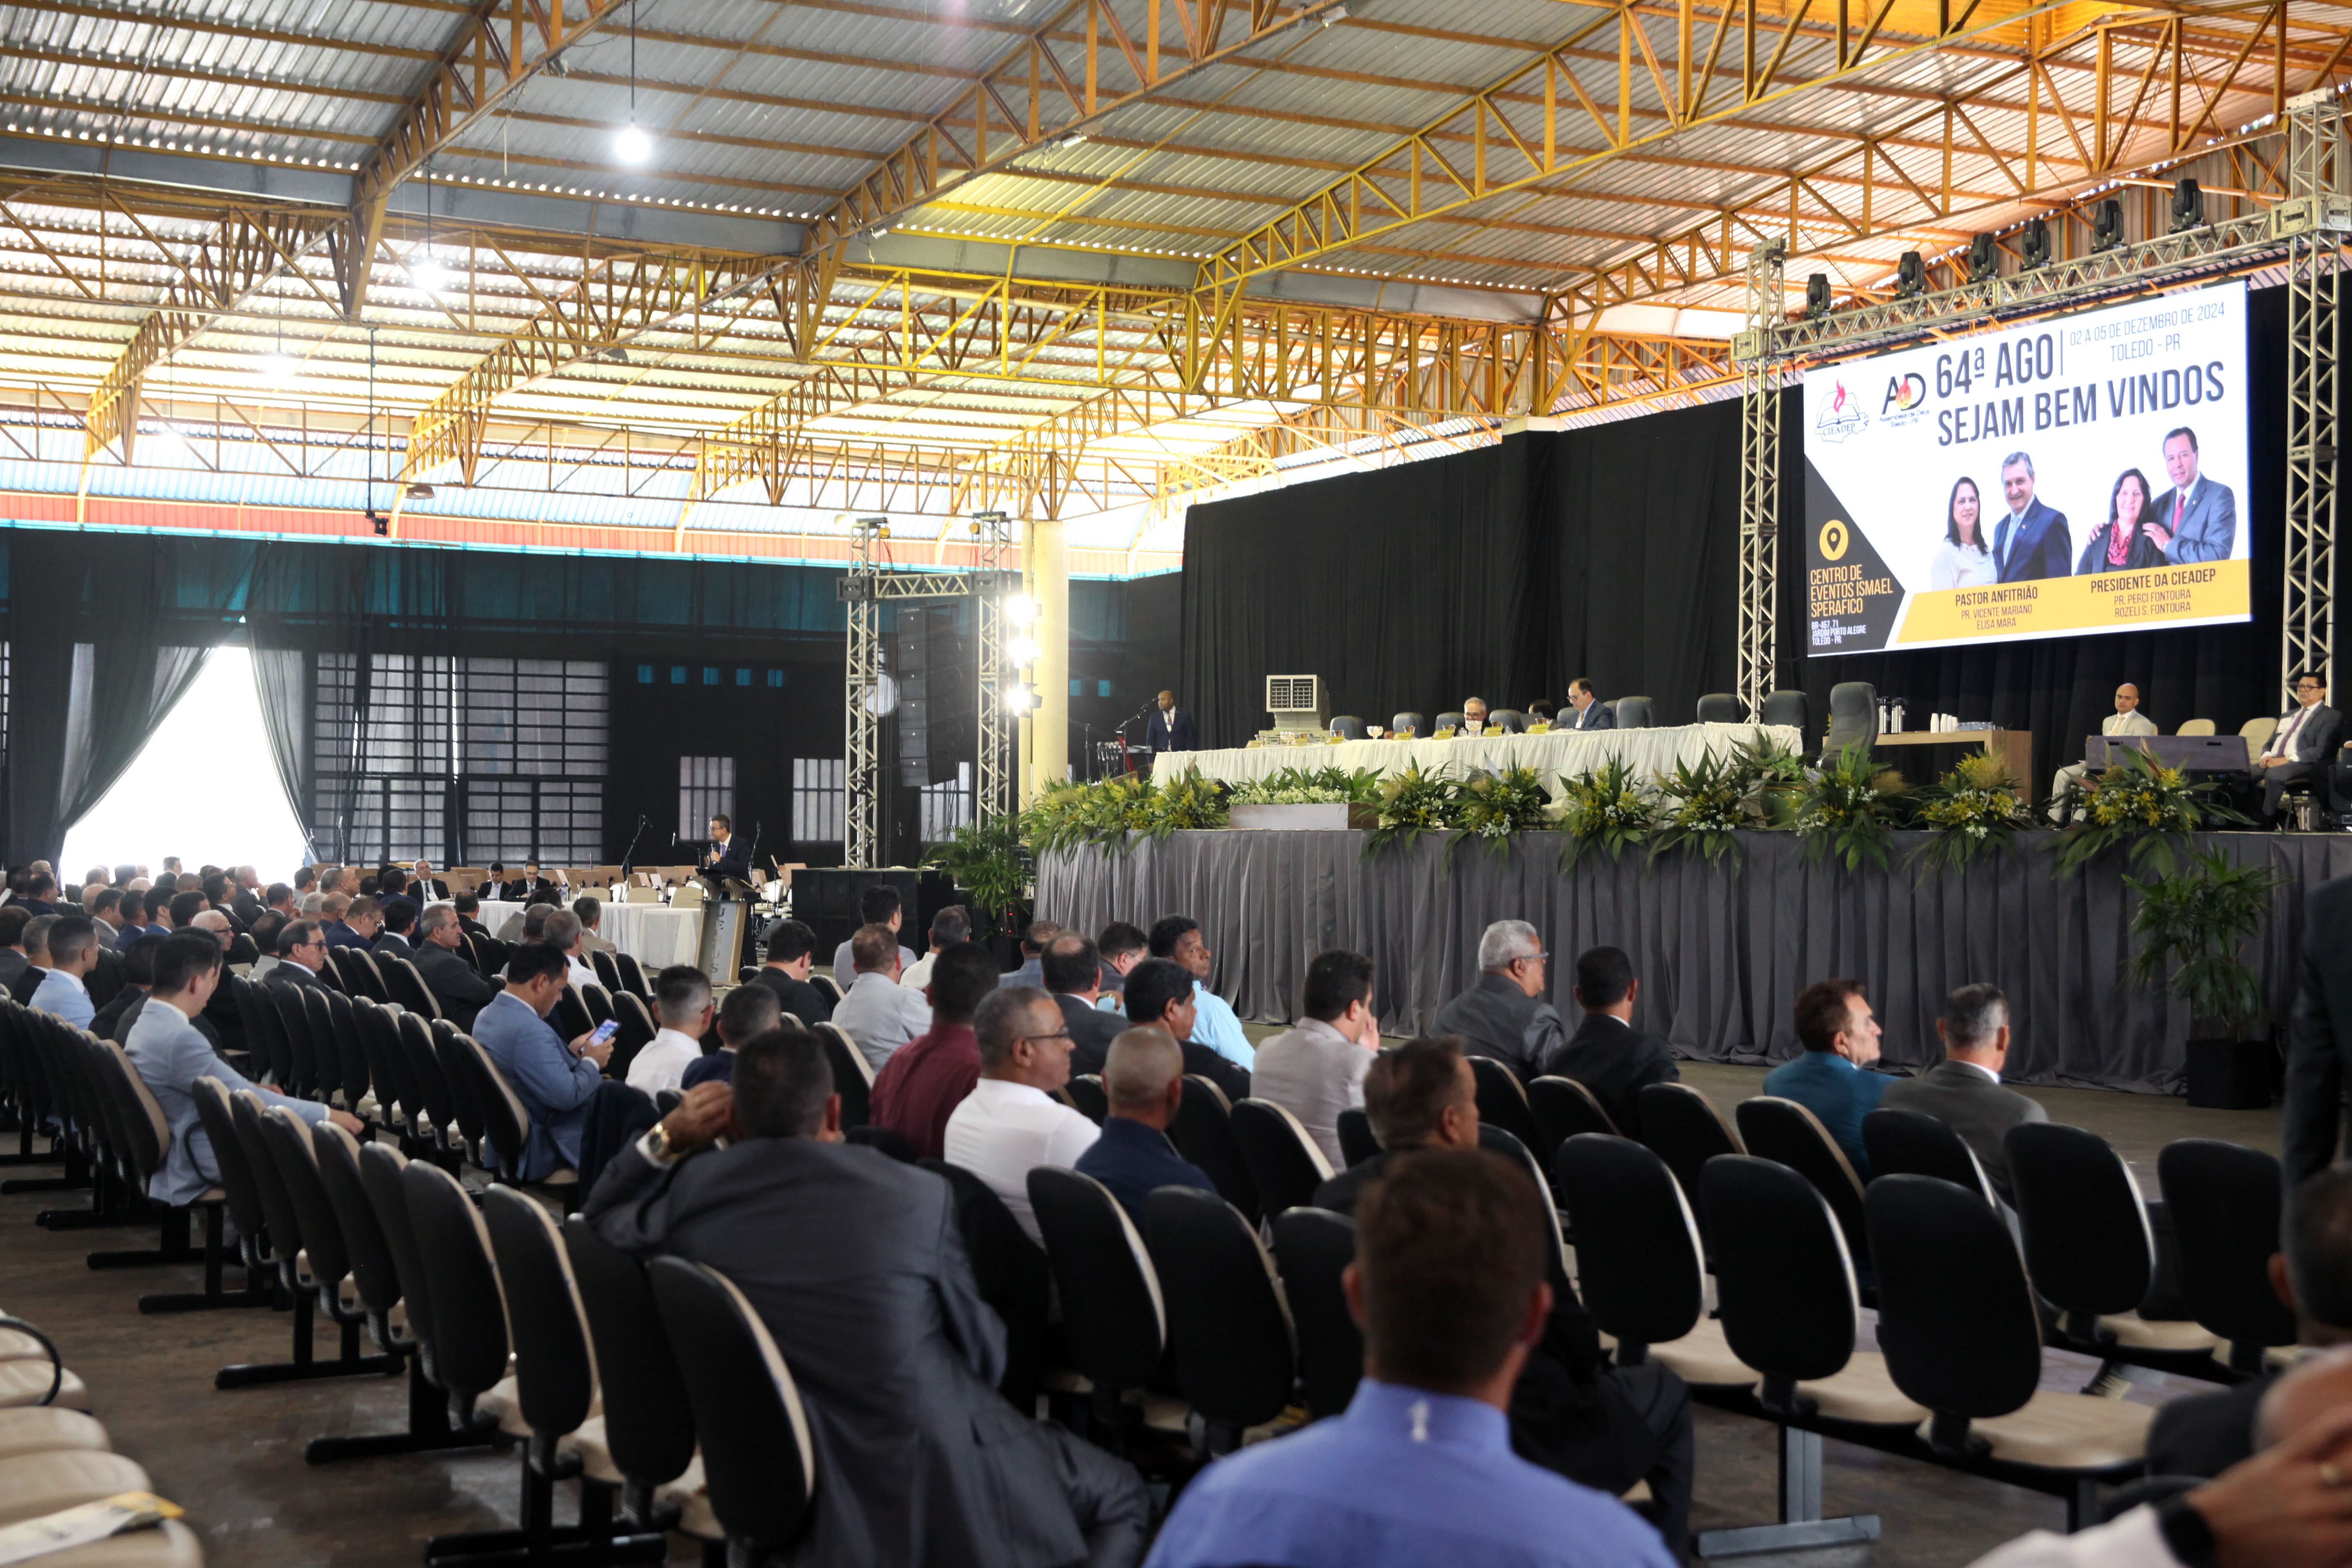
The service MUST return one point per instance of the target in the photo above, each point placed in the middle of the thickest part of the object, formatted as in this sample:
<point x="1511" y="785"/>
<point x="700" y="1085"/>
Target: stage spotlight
<point x="1984" y="259"/>
<point x="1910" y="275"/>
<point x="2033" y="245"/>
<point x="1018" y="699"/>
<point x="2188" y="207"/>
<point x="2107" y="226"/>
<point x="1022" y="650"/>
<point x="1817" y="296"/>
<point x="1020" y="609"/>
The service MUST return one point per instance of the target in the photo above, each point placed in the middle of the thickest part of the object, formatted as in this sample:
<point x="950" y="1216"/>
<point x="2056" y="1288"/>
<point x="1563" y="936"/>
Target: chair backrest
<point x="1853" y="715"/>
<point x="1911" y="1142"/>
<point x="1784" y="1281"/>
<point x="265" y="1031"/>
<point x="608" y="972"/>
<point x="599" y="1003"/>
<point x="1510" y="721"/>
<point x="1793" y="710"/>
<point x="1086" y="1093"/>
<point x="1721" y="708"/>
<point x="436" y="1101"/>
<point x="469" y="1322"/>
<point x="1284" y="1163"/>
<point x="2195" y="727"/>
<point x="852" y="1075"/>
<point x="1635" y="713"/>
<point x="1503" y="1103"/>
<point x="283" y="1220"/>
<point x="288" y="1137"/>
<point x="758" y="1458"/>
<point x="689" y="896"/>
<point x="827" y="986"/>
<point x="361" y="976"/>
<point x="1356" y="1143"/>
<point x="1562" y="1108"/>
<point x="1348" y="727"/>
<point x="1408" y="723"/>
<point x="1682" y="1127"/>
<point x="506" y="1123"/>
<point x="569" y="1016"/>
<point x="637" y="1031"/>
<point x="349" y="1072"/>
<point x="1203" y="1133"/>
<point x="302" y="1058"/>
<point x="647" y="1425"/>
<point x="556" y="1369"/>
<point x="1453" y="718"/>
<point x="1639" y="1266"/>
<point x="1782" y="1130"/>
<point x="406" y="984"/>
<point x="374" y="1271"/>
<point x="144" y="1131"/>
<point x="633" y="974"/>
<point x="1312" y="1247"/>
<point x="2224" y="1205"/>
<point x="381" y="1168"/>
<point x="1235" y="1350"/>
<point x="1010" y="1272"/>
<point x="1955" y="1317"/>
<point x="215" y="1115"/>
<point x="2089" y="1249"/>
<point x="379" y="1039"/>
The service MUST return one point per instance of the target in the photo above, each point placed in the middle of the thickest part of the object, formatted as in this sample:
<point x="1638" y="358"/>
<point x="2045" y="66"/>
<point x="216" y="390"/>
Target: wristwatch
<point x="658" y="1143"/>
<point x="2186" y="1533"/>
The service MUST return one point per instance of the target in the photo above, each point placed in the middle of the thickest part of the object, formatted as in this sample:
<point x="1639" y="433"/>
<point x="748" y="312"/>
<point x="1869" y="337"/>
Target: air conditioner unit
<point x="1298" y="702"/>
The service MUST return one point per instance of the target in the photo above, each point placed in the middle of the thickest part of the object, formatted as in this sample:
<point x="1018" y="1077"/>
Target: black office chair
<point x="1312" y="1247"/>
<point x="2224" y="1205"/>
<point x="1356" y="1143"/>
<point x="1562" y="1108"/>
<point x="608" y="970"/>
<point x="1510" y="721"/>
<point x="1086" y="1092"/>
<point x="649" y="1425"/>
<point x="406" y="984"/>
<point x="1721" y="708"/>
<point x="1348" y="727"/>
<point x="1114" y="1318"/>
<point x="1853" y="716"/>
<point x="1408" y="723"/>
<point x="1910" y="1142"/>
<point x="570" y="1017"/>
<point x="1782" y="1130"/>
<point x="1682" y="1127"/>
<point x="852" y="1075"/>
<point x="1502" y="1102"/>
<point x="632" y="975"/>
<point x="1010" y="1274"/>
<point x="1235" y="1355"/>
<point x="1284" y="1162"/>
<point x="637" y="1031"/>
<point x="1452" y="719"/>
<point x="1635" y="713"/>
<point x="1792" y="709"/>
<point x="1203" y="1133"/>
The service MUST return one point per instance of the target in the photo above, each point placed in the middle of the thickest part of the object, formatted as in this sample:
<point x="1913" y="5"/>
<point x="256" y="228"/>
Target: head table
<point x="655" y="935"/>
<point x="1647" y="752"/>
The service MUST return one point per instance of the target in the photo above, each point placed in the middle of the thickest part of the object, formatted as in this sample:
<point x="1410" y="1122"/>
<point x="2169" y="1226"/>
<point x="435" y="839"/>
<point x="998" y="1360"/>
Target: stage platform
<point x="1649" y="753"/>
<point x="1721" y="953"/>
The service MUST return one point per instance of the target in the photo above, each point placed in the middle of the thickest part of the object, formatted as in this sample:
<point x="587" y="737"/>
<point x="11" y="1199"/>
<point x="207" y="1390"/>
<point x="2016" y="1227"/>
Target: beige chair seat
<point x="690" y="1495"/>
<point x="502" y="1402"/>
<point x="27" y="1382"/>
<point x="47" y="1429"/>
<point x="1702" y="1356"/>
<point x="1638" y="1492"/>
<point x="34" y="1484"/>
<point x="2133" y="1331"/>
<point x="596" y="1453"/>
<point x="1863" y="1392"/>
<point x="168" y="1545"/>
<point x="16" y="1344"/>
<point x="2063" y="1431"/>
<point x="1161" y="1412"/>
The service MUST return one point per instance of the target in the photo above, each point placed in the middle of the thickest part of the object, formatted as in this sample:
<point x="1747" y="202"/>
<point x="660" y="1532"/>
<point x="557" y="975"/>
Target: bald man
<point x="2127" y="720"/>
<point x="1143" y="1079"/>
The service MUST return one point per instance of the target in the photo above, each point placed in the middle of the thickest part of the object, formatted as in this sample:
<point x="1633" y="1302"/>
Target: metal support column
<point x="991" y="586"/>
<point x="862" y="831"/>
<point x="1759" y="464"/>
<point x="2313" y="221"/>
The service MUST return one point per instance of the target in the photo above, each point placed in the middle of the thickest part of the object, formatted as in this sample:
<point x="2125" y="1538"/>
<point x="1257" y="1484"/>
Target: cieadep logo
<point x="1842" y="417"/>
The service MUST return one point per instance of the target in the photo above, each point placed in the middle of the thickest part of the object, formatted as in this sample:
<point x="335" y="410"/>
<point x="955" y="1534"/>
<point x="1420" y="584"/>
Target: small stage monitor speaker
<point x="2233" y="1075"/>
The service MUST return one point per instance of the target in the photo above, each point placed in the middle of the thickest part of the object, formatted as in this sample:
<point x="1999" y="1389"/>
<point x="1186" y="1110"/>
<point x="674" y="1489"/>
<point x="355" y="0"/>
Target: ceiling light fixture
<point x="631" y="145"/>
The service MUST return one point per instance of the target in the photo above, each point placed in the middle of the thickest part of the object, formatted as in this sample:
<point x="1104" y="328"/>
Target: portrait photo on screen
<point x="2069" y="475"/>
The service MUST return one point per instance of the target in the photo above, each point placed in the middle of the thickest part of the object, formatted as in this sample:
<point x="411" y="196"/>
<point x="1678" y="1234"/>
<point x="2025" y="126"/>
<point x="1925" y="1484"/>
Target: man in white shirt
<point x="878" y="1013"/>
<point x="876" y="906"/>
<point x="1011" y="1123"/>
<point x="561" y="930"/>
<point x="682" y="1007"/>
<point x="1317" y="1070"/>
<point x="949" y="927"/>
<point x="2127" y="720"/>
<point x="73" y="952"/>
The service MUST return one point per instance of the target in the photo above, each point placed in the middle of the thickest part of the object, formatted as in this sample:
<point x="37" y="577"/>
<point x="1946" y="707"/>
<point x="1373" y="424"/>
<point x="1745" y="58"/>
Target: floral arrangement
<point x="1975" y="809"/>
<point x="1310" y="786"/>
<point x="1411" y="802"/>
<point x="1103" y="814"/>
<point x="1705" y="803"/>
<point x="1850" y="808"/>
<point x="989" y="859"/>
<point x="1609" y="808"/>
<point x="2144" y="805"/>
<point x="1491" y="808"/>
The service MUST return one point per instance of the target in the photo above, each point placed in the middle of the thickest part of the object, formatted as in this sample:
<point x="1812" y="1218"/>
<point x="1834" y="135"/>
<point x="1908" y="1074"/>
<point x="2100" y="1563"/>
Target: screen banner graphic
<point x="2074" y="476"/>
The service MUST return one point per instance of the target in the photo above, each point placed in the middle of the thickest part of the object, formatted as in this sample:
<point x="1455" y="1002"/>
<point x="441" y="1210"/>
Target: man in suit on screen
<point x="2197" y="519"/>
<point x="1170" y="729"/>
<point x="2032" y="541"/>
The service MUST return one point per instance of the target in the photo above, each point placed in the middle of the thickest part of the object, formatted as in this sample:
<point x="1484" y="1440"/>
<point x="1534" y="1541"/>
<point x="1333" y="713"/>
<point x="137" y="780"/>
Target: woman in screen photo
<point x="1962" y="560"/>
<point x="2121" y="543"/>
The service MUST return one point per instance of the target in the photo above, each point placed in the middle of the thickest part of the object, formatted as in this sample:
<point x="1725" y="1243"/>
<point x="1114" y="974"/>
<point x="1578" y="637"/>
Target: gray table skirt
<point x="1721" y="953"/>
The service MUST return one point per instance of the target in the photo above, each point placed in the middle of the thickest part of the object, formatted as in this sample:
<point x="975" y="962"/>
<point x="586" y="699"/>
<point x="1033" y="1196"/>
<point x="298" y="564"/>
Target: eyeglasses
<point x="1057" y="1035"/>
<point x="1533" y="958"/>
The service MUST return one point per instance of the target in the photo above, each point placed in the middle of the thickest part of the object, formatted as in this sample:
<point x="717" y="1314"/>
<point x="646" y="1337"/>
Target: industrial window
<point x="645" y="675"/>
<point x="819" y="800"/>
<point x="947" y="806"/>
<point x="775" y="677"/>
<point x="706" y="788"/>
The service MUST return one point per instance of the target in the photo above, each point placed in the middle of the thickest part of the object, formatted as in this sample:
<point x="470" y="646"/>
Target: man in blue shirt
<point x="1143" y="1078"/>
<point x="73" y="951"/>
<point x="554" y="1079"/>
<point x="1217" y="1026"/>
<point x="1448" y="1284"/>
<point x="1833" y="1078"/>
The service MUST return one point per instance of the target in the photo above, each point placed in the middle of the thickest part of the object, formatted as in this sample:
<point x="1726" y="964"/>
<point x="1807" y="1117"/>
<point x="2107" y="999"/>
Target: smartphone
<point x="602" y="1034"/>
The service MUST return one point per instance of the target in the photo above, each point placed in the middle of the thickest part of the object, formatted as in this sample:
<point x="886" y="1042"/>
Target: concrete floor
<point x="234" y="1460"/>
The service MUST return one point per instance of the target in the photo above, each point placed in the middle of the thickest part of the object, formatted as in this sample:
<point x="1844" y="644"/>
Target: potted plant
<point x="989" y="861"/>
<point x="2194" y="924"/>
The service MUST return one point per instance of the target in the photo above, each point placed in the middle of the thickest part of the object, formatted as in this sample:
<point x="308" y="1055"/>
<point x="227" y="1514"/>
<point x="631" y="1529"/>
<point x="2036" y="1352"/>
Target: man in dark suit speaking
<point x="857" y="1265"/>
<point x="728" y="856"/>
<point x="1592" y="713"/>
<point x="1169" y="728"/>
<point x="2032" y="541"/>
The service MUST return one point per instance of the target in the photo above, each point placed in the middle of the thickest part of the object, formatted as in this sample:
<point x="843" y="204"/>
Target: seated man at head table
<point x="2127" y="720"/>
<point x="1474" y="716"/>
<point x="1592" y="713"/>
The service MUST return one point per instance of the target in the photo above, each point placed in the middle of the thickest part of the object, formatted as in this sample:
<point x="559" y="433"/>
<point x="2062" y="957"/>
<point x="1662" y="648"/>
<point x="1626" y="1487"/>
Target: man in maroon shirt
<point x="926" y="1078"/>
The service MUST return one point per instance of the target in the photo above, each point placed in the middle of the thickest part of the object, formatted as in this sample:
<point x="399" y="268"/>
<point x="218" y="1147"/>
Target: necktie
<point x="2279" y="746"/>
<point x="2001" y="545"/>
<point x="2179" y="505"/>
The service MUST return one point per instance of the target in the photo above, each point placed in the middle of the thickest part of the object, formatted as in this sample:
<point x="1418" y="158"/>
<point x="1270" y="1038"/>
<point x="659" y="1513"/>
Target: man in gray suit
<point x="1964" y="1090"/>
<point x="2197" y="519"/>
<point x="857" y="1265"/>
<point x="2306" y="737"/>
<point x="1590" y="712"/>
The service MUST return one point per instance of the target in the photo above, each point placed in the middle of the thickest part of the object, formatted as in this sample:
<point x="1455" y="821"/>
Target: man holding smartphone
<point x="554" y="1079"/>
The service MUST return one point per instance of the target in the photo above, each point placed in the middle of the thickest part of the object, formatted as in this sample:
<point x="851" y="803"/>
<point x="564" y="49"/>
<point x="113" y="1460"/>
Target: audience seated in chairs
<point x="1964" y="1090"/>
<point x="73" y="952"/>
<point x="40" y="894"/>
<point x="949" y="927"/>
<point x="876" y="906"/>
<point x="590" y="912"/>
<point x="1072" y="969"/>
<point x="301" y="954"/>
<point x="1607" y="1055"/>
<point x="1033" y="938"/>
<point x="1122" y="947"/>
<point x="104" y="905"/>
<point x="527" y="923"/>
<point x="1177" y="939"/>
<point x="455" y="983"/>
<point x="1504" y="1013"/>
<point x="1163" y="994"/>
<point x="169" y="1055"/>
<point x="792" y="954"/>
<point x="224" y="1023"/>
<point x="878" y="1013"/>
<point x="1144" y="1081"/>
<point x="856" y="1264"/>
<point x="114" y="1021"/>
<point x="748" y="1012"/>
<point x="1573" y="1413"/>
<point x="553" y="1077"/>
<point x="14" y="919"/>
<point x="1449" y="1285"/>
<point x="561" y="930"/>
<point x="1833" y="1079"/>
<point x="1317" y="1070"/>
<point x="338" y="916"/>
<point x="36" y="959"/>
<point x="682" y="1010"/>
<point x="397" y="938"/>
<point x="926" y="1078"/>
<point x="1011" y="1123"/>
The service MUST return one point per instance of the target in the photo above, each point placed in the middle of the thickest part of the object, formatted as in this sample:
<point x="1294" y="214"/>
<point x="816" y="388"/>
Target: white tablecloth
<point x="655" y="935"/>
<point x="1648" y="752"/>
